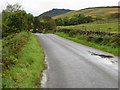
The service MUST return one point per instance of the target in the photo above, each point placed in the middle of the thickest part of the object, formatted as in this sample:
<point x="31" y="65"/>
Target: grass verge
<point x="91" y="44"/>
<point x="27" y="71"/>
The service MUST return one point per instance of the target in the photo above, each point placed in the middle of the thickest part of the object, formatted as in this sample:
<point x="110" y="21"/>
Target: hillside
<point x="54" y="12"/>
<point x="95" y="11"/>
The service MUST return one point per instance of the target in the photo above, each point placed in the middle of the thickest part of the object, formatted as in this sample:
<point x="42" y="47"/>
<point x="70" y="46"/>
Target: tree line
<point x="74" y="20"/>
<point x="15" y="20"/>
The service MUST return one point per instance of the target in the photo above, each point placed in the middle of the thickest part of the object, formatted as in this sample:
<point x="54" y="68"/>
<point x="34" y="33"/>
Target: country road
<point x="73" y="65"/>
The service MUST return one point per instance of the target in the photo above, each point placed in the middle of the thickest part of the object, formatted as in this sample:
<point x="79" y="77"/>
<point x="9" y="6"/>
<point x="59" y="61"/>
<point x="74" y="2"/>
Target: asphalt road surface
<point x="72" y="65"/>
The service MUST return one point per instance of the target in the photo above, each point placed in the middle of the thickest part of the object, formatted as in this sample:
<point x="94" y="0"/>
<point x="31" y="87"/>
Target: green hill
<point x="103" y="12"/>
<point x="54" y="12"/>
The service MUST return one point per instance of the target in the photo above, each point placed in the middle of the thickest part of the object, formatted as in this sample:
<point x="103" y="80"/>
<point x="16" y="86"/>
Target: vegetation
<point x="12" y="46"/>
<point x="54" y="12"/>
<point x="17" y="21"/>
<point x="27" y="65"/>
<point x="104" y="27"/>
<point x="38" y="26"/>
<point x="74" y="20"/>
<point x="101" y="12"/>
<point x="22" y="56"/>
<point x="49" y="24"/>
<point x="105" y="43"/>
<point x="100" y="32"/>
<point x="0" y="50"/>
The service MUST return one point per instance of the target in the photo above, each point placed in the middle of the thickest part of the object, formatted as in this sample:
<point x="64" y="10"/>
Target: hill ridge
<point x="54" y="12"/>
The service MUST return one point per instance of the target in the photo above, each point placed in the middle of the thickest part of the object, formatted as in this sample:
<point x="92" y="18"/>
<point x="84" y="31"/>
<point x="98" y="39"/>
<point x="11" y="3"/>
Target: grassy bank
<point x="26" y="72"/>
<point x="83" y="41"/>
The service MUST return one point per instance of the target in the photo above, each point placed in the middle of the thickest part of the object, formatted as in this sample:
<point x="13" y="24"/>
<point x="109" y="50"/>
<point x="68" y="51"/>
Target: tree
<point x="73" y="20"/>
<point x="47" y="18"/>
<point x="30" y="21"/>
<point x="88" y="19"/>
<point x="50" y="24"/>
<point x="15" y="20"/>
<point x="81" y="18"/>
<point x="13" y="8"/>
<point x="38" y="26"/>
<point x="59" y="22"/>
<point x="66" y="21"/>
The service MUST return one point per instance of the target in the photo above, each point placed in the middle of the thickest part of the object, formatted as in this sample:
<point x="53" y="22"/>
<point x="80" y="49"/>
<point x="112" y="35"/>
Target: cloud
<point x="37" y="7"/>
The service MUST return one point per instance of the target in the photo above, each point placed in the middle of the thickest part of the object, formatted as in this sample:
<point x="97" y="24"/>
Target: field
<point x="107" y="27"/>
<point x="108" y="43"/>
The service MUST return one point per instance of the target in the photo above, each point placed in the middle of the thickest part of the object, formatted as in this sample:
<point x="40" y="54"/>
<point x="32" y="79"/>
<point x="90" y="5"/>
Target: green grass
<point x="108" y="27"/>
<point x="27" y="71"/>
<point x="91" y="44"/>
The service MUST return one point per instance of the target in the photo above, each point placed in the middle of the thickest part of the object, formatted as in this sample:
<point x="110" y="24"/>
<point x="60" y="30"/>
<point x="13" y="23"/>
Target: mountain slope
<point x="54" y="12"/>
<point x="95" y="11"/>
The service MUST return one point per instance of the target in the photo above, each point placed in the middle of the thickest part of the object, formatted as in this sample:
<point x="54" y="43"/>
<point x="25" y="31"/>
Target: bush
<point x="116" y="39"/>
<point x="15" y="22"/>
<point x="12" y="46"/>
<point x="98" y="39"/>
<point x="72" y="33"/>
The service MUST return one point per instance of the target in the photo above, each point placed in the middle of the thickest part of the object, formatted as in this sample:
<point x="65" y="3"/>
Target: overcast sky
<point x="37" y="7"/>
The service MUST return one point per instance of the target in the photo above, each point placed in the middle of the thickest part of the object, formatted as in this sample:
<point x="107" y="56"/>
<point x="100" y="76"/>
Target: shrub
<point x="72" y="33"/>
<point x="98" y="40"/>
<point x="12" y="46"/>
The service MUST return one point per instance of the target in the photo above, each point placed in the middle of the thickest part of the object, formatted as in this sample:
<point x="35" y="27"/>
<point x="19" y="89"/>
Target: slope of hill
<point x="54" y="12"/>
<point x="95" y="11"/>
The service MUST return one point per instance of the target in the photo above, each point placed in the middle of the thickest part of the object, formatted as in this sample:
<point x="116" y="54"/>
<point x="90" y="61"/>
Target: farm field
<point x="107" y="27"/>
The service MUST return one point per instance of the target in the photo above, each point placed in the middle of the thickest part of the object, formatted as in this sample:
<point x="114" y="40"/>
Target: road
<point x="73" y="65"/>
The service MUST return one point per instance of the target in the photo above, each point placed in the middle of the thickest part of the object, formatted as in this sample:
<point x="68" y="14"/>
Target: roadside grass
<point x="107" y="27"/>
<point x="27" y="71"/>
<point x="102" y="47"/>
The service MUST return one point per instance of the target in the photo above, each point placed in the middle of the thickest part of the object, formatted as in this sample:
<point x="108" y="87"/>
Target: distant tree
<point x="66" y="21"/>
<point x="30" y="21"/>
<point x="59" y="22"/>
<point x="47" y="18"/>
<point x="73" y="20"/>
<point x="88" y="19"/>
<point x="50" y="24"/>
<point x="81" y="18"/>
<point x="38" y="26"/>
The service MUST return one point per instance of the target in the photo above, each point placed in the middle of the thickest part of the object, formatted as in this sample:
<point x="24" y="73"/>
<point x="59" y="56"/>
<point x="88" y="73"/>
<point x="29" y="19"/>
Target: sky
<point x="36" y="7"/>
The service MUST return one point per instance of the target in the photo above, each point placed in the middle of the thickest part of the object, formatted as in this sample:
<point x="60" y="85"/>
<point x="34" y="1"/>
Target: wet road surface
<point x="72" y="65"/>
